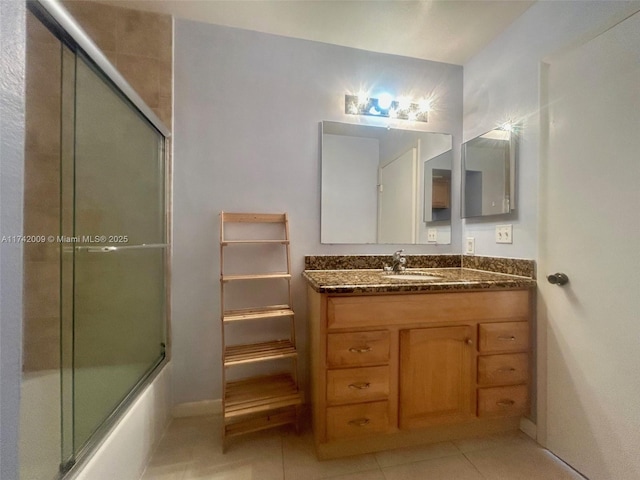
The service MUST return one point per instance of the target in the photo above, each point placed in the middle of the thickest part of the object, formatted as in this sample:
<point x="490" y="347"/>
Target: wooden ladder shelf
<point x="257" y="402"/>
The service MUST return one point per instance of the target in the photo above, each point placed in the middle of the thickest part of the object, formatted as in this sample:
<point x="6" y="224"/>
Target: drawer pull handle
<point x="360" y="386"/>
<point x="507" y="338"/>
<point x="505" y="403"/>
<point x="506" y="370"/>
<point x="360" y="350"/>
<point x="360" y="422"/>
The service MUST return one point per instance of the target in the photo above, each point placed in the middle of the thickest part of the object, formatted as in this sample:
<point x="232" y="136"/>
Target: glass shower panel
<point x="119" y="250"/>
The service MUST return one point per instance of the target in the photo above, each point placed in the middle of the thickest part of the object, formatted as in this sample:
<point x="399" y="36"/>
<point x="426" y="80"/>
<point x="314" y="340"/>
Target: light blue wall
<point x="247" y="113"/>
<point x="12" y="80"/>
<point x="502" y="82"/>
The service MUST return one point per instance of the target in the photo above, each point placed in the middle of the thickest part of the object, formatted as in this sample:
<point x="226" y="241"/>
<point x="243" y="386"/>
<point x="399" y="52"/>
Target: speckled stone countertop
<point x="358" y="273"/>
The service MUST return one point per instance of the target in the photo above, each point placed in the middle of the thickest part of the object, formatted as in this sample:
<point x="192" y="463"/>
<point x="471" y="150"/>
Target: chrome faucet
<point x="399" y="261"/>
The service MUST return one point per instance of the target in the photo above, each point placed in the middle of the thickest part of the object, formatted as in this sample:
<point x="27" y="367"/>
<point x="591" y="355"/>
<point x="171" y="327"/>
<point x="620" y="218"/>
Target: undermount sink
<point x="411" y="276"/>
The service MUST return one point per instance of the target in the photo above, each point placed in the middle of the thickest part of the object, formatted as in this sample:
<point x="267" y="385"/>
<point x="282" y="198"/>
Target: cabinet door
<point x="436" y="376"/>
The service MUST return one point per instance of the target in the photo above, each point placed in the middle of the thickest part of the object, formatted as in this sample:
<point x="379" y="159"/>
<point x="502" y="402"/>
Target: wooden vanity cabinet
<point x="392" y="370"/>
<point x="436" y="376"/>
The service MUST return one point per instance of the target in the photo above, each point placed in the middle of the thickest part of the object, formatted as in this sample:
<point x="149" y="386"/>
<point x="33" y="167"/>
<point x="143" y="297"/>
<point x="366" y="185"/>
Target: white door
<point x="397" y="200"/>
<point x="590" y="231"/>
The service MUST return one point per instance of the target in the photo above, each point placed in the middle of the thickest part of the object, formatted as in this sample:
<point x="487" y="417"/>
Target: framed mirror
<point x="378" y="185"/>
<point x="488" y="173"/>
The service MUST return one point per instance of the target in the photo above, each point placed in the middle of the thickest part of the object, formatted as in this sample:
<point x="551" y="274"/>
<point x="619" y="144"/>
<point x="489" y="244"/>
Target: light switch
<point x="504" y="233"/>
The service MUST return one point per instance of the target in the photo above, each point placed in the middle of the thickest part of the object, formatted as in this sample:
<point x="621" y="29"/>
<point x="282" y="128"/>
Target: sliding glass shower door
<point x="95" y="283"/>
<point x="114" y="252"/>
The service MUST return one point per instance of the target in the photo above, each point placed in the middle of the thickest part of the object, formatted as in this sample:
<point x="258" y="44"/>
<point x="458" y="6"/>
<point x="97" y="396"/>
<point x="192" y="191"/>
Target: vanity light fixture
<point x="388" y="107"/>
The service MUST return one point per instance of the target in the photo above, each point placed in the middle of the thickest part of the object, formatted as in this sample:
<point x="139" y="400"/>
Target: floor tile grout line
<point x="333" y="477"/>
<point x="473" y="465"/>
<point x="416" y="461"/>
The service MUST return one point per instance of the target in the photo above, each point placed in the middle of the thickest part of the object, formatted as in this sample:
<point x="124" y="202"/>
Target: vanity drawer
<point x="358" y="420"/>
<point x="503" y="401"/>
<point x="358" y="348"/>
<point x="503" y="337"/>
<point x="503" y="369"/>
<point x="351" y="385"/>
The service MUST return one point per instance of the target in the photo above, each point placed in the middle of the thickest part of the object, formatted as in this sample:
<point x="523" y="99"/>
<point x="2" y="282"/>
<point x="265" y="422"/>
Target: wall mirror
<point x="488" y="173"/>
<point x="384" y="185"/>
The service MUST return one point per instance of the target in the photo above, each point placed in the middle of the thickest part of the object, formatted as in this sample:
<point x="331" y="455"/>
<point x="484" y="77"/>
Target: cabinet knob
<point x="360" y="349"/>
<point x="359" y="422"/>
<point x="360" y="386"/>
<point x="469" y="341"/>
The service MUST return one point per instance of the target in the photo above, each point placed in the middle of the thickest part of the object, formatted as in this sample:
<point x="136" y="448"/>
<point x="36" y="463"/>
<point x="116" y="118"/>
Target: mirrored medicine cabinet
<point x="489" y="173"/>
<point x="384" y="185"/>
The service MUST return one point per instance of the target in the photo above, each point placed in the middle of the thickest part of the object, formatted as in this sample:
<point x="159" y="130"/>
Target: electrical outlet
<point x="504" y="233"/>
<point x="470" y="247"/>
<point x="432" y="235"/>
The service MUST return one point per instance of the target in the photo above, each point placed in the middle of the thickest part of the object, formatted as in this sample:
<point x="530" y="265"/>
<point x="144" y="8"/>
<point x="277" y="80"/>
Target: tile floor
<point x="191" y="449"/>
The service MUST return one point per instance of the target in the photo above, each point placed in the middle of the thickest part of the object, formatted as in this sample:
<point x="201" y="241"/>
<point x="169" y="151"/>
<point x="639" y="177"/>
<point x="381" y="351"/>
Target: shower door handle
<point x="111" y="248"/>
<point x="100" y="249"/>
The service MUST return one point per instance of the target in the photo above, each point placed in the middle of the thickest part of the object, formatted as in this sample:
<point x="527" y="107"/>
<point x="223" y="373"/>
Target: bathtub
<point x="122" y="453"/>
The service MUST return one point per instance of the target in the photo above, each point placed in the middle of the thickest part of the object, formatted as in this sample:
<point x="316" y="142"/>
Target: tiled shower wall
<point x="41" y="330"/>
<point x="139" y="44"/>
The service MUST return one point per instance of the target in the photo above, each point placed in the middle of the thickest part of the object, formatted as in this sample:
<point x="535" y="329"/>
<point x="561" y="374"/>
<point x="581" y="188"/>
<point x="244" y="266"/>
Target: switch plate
<point x="432" y="235"/>
<point x="470" y="246"/>
<point x="504" y="233"/>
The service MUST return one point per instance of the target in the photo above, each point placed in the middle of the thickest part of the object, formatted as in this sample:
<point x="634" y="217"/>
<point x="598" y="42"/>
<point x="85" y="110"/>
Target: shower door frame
<point x="56" y="18"/>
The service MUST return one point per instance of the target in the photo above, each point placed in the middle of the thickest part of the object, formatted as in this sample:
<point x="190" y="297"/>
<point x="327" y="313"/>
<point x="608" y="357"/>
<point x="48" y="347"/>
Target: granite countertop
<point x="377" y="281"/>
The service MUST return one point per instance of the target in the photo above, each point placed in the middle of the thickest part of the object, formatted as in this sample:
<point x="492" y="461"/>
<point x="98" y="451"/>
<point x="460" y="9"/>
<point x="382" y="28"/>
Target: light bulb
<point x="384" y="101"/>
<point x="404" y="103"/>
<point x="424" y="105"/>
<point x="363" y="98"/>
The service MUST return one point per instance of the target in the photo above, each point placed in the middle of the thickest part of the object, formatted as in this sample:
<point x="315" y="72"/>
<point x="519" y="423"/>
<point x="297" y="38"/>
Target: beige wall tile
<point x="99" y="21"/>
<point x="165" y="78"/>
<point x="43" y="61"/>
<point x="144" y="34"/>
<point x="163" y="111"/>
<point x="143" y="75"/>
<point x="37" y="32"/>
<point x="42" y="289"/>
<point x="42" y="183"/>
<point x="42" y="344"/>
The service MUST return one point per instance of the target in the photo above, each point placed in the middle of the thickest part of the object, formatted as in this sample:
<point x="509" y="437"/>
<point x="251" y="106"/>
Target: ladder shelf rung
<point x="258" y="352"/>
<point x="267" y="419"/>
<point x="249" y="242"/>
<point x="257" y="313"/>
<point x="260" y="394"/>
<point x="253" y="217"/>
<point x="253" y="276"/>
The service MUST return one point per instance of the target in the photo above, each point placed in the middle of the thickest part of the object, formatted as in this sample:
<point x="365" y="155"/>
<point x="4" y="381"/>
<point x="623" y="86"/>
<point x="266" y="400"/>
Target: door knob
<point x="558" y="279"/>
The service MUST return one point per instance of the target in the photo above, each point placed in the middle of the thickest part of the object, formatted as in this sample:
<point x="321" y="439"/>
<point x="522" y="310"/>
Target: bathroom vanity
<point x="399" y="362"/>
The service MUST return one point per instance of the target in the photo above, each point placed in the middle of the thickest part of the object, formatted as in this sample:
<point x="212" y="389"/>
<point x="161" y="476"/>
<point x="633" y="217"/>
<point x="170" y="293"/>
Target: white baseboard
<point x="528" y="427"/>
<point x="196" y="409"/>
